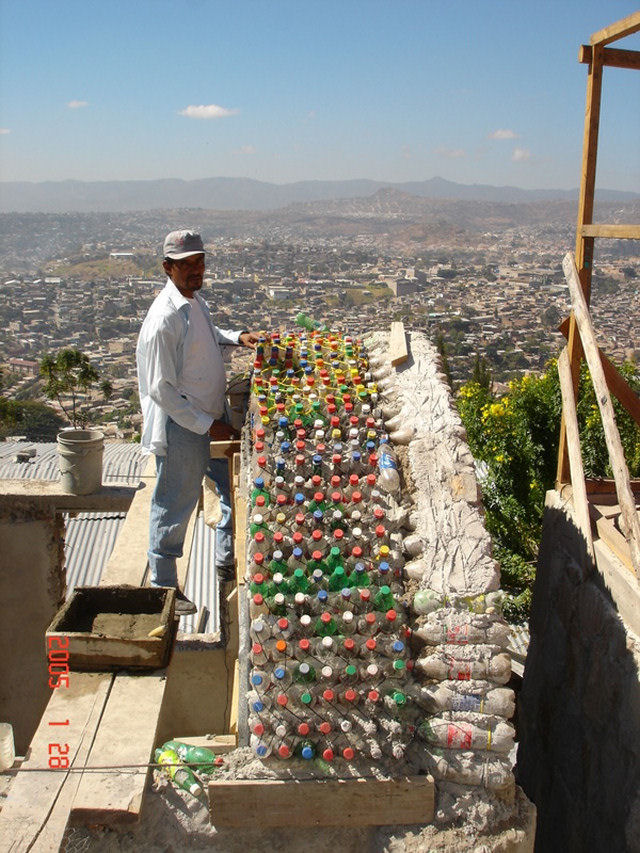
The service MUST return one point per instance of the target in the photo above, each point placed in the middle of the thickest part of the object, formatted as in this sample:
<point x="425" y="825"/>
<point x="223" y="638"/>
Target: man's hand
<point x="249" y="339"/>
<point x="221" y="431"/>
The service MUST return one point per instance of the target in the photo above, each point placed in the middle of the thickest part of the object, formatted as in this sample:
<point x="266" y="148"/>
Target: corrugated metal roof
<point x="89" y="541"/>
<point x="202" y="583"/>
<point x="121" y="462"/>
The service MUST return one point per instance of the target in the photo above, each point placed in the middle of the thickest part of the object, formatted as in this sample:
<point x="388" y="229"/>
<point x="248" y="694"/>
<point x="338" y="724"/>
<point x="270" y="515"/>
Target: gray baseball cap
<point x="182" y="244"/>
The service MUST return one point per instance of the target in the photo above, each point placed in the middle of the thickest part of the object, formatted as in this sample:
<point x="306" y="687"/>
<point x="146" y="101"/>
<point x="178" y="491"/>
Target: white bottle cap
<point x="356" y="532"/>
<point x="326" y="672"/>
<point x="305" y="620"/>
<point x="299" y="598"/>
<point x="281" y="730"/>
<point x="327" y="642"/>
<point x="258" y="626"/>
<point x="277" y="555"/>
<point x="345" y="725"/>
<point x="257" y="518"/>
<point x="278" y="577"/>
<point x="347" y="617"/>
<point x="372" y="670"/>
<point x="278" y="599"/>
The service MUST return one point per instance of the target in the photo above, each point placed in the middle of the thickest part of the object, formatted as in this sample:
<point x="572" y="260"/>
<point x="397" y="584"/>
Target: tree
<point x="37" y="421"/>
<point x="106" y="389"/>
<point x="67" y="374"/>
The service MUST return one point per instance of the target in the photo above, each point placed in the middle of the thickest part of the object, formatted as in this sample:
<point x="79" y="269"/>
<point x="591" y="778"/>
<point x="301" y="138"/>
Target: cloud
<point x="4" y="131"/>
<point x="207" y="111"/>
<point x="503" y="133"/>
<point x="451" y="153"/>
<point x="246" y="149"/>
<point x="520" y="155"/>
<point x="77" y="105"/>
<point x="406" y="152"/>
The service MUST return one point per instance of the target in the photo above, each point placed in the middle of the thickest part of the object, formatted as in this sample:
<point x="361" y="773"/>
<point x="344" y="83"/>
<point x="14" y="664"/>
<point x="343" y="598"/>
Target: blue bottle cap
<point x="279" y="672"/>
<point x="297" y="552"/>
<point x="273" y="362"/>
<point x="261" y="750"/>
<point x="337" y="447"/>
<point x="323" y="595"/>
<point x="303" y="362"/>
<point x="370" y="446"/>
<point x="346" y="593"/>
<point x="384" y="567"/>
<point x="256" y="679"/>
<point x="307" y="752"/>
<point x="317" y="459"/>
<point x="356" y="456"/>
<point x="258" y="706"/>
<point x="259" y="483"/>
<point x="398" y="646"/>
<point x="308" y="369"/>
<point x="317" y="515"/>
<point x="280" y="464"/>
<point x="285" y="447"/>
<point x="283" y="421"/>
<point x="299" y="498"/>
<point x="359" y="567"/>
<point x="290" y="371"/>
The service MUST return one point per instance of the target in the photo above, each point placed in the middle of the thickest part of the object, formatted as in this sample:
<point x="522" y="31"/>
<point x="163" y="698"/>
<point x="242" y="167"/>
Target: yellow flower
<point x="499" y="458"/>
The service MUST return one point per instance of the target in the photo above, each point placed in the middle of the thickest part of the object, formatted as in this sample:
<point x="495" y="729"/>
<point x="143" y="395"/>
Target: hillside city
<point x="487" y="287"/>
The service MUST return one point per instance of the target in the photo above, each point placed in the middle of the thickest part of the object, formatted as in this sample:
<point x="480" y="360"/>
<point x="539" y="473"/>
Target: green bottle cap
<point x="306" y="698"/>
<point x="399" y="698"/>
<point x="351" y="670"/>
<point x="398" y="665"/>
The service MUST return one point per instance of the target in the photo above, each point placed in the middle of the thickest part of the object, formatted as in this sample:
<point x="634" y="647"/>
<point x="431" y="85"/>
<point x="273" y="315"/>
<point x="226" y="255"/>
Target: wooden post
<point x="611" y="434"/>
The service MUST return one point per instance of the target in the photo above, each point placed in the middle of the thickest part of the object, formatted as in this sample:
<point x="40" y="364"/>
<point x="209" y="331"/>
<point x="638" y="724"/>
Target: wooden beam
<point x="624" y="27"/>
<point x="611" y="434"/>
<point x="219" y="744"/>
<point x="125" y="739"/>
<point x="398" y="352"/>
<point x="128" y="561"/>
<point x="37" y="807"/>
<point x="600" y="486"/>
<point x="616" y="382"/>
<point x="613" y="232"/>
<point x="611" y="536"/>
<point x="220" y="449"/>
<point x="611" y="57"/>
<point x="580" y="501"/>
<point x="309" y="803"/>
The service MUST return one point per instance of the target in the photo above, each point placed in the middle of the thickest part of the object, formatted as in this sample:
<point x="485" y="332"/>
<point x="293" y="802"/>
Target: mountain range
<point x="249" y="194"/>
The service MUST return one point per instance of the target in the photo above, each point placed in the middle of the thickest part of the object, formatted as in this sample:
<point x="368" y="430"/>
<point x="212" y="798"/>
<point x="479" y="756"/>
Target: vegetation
<point x="36" y="421"/>
<point x="514" y="438"/>
<point x="68" y="374"/>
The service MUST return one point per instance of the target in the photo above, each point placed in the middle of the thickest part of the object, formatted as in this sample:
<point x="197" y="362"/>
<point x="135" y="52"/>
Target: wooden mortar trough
<point x="114" y="627"/>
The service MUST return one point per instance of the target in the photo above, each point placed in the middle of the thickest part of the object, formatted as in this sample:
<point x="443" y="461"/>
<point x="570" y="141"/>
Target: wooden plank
<point x="611" y="57"/>
<point x="616" y="382"/>
<point x="220" y="449"/>
<point x="612" y="436"/>
<point x="617" y="232"/>
<point x="580" y="501"/>
<point x="307" y="803"/>
<point x="398" y="352"/>
<point x="612" y="537"/>
<point x="47" y="493"/>
<point x="624" y="27"/>
<point x="125" y="740"/>
<point x="182" y="563"/>
<point x="602" y="486"/>
<point x="220" y="744"/>
<point x="40" y="796"/>
<point x="128" y="561"/>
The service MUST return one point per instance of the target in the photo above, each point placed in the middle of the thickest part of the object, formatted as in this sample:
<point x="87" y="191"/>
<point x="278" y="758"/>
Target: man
<point x="181" y="379"/>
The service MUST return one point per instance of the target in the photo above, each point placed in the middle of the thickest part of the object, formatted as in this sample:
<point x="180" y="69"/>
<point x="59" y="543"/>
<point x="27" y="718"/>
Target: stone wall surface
<point x="579" y="709"/>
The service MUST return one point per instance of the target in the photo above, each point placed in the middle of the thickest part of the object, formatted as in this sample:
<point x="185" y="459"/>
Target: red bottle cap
<point x="277" y="536"/>
<point x="371" y="644"/>
<point x="356" y="552"/>
<point x="370" y="618"/>
<point x="260" y="501"/>
<point x="380" y="531"/>
<point x="300" y="446"/>
<point x="391" y="615"/>
<point x="258" y="729"/>
<point x="378" y="512"/>
<point x="316" y="535"/>
<point x="259" y="446"/>
<point x="299" y="518"/>
<point x="258" y="558"/>
<point x="336" y="458"/>
<point x="348" y="753"/>
<point x="353" y="480"/>
<point x="320" y="448"/>
<point x="297" y="423"/>
<point x="256" y="648"/>
<point x="335" y="481"/>
<point x="260" y="433"/>
<point x="328" y="755"/>
<point x="282" y="699"/>
<point x="258" y="599"/>
<point x="262" y="461"/>
<point x="284" y="751"/>
<point x="297" y="536"/>
<point x="336" y="497"/>
<point x="281" y="500"/>
<point x="316" y="480"/>
<point x="317" y="556"/>
<point x="365" y="595"/>
<point x="356" y="497"/>
<point x="371" y="479"/>
<point x="325" y="728"/>
<point x="350" y="695"/>
<point x="349" y="644"/>
<point x="303" y="644"/>
<point x="259" y="537"/>
<point x="301" y="433"/>
<point x="326" y="617"/>
<point x="318" y="497"/>
<point x="283" y="624"/>
<point x="335" y="421"/>
<point x="338" y="534"/>
<point x="373" y="459"/>
<point x="303" y="729"/>
<point x="353" y="420"/>
<point x="373" y="696"/>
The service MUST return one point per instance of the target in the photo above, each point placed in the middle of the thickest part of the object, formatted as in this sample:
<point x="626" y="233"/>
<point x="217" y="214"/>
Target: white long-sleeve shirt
<point x="180" y="371"/>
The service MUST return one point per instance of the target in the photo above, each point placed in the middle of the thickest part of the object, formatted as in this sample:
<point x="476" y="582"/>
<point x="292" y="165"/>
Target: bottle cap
<point x="282" y="699"/>
<point x="350" y="695"/>
<point x="391" y="615"/>
<point x="326" y="672"/>
<point x="307" y="752"/>
<point x="278" y="599"/>
<point x="317" y="556"/>
<point x="328" y="695"/>
<point x="325" y="728"/>
<point x="371" y="643"/>
<point x="327" y="643"/>
<point x="365" y="595"/>
<point x="356" y="497"/>
<point x="370" y="618"/>
<point x="349" y="644"/>
<point x="373" y="696"/>
<point x="316" y="535"/>
<point x="284" y="751"/>
<point x="350" y="670"/>
<point x="328" y="754"/>
<point x="372" y="670"/>
<point x="305" y="620"/>
<point x="258" y="558"/>
<point x="303" y="644"/>
<point x="256" y="648"/>
<point x="348" y="753"/>
<point x="303" y="729"/>
<point x="258" y="729"/>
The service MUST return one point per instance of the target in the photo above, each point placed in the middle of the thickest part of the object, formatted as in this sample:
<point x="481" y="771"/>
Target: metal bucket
<point x="80" y="460"/>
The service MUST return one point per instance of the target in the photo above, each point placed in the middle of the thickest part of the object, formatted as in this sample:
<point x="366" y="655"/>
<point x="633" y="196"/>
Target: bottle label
<point x="386" y="461"/>
<point x="459" y="735"/>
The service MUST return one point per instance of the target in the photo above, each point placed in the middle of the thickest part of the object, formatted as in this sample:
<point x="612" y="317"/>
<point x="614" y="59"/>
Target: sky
<point x="474" y="91"/>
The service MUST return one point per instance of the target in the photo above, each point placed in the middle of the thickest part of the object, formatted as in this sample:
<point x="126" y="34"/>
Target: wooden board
<point x="343" y="802"/>
<point x="126" y="738"/>
<point x="398" y="352"/>
<point x="219" y="744"/>
<point x="128" y="561"/>
<point x="39" y="799"/>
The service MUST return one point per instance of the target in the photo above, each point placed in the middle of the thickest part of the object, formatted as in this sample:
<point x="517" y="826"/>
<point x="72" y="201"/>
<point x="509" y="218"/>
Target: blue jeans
<point x="178" y="483"/>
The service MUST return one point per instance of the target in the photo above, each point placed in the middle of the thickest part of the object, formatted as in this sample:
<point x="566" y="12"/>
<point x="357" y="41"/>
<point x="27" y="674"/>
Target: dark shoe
<point x="184" y="607"/>
<point x="226" y="573"/>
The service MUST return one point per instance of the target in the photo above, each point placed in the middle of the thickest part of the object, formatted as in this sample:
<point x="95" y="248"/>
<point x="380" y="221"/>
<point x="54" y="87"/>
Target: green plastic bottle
<point x="199" y="756"/>
<point x="338" y="579"/>
<point x="177" y="772"/>
<point x="384" y="599"/>
<point x="334" y="558"/>
<point x="310" y="324"/>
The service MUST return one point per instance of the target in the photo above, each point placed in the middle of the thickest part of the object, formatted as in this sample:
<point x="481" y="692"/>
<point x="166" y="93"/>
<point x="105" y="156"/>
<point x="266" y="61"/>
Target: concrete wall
<point x="579" y="709"/>
<point x="31" y="590"/>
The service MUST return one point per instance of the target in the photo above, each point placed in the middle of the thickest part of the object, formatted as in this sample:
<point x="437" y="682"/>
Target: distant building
<point x="24" y="366"/>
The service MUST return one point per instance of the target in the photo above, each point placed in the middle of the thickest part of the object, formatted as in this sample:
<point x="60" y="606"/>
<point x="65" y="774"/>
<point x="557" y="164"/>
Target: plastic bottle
<point x="388" y="477"/>
<point x="181" y="776"/>
<point x="199" y="757"/>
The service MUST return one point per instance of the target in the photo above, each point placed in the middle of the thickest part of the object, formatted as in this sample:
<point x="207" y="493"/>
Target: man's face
<point x="187" y="274"/>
